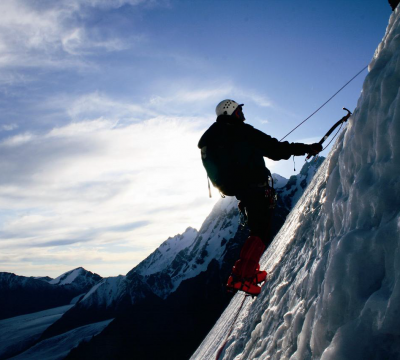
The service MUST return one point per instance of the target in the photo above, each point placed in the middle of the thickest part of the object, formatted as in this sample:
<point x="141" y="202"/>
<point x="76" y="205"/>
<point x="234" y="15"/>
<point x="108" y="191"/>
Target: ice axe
<point x="332" y="129"/>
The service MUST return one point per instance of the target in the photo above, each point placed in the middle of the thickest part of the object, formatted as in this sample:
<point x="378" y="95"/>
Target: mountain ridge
<point x="23" y="295"/>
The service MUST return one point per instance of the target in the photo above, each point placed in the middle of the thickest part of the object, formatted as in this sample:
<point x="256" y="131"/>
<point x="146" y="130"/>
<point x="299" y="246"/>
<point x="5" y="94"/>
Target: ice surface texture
<point x="334" y="289"/>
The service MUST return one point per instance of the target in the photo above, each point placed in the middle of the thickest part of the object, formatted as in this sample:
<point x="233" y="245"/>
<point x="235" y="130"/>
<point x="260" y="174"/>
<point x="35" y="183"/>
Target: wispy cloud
<point x="79" y="42"/>
<point x="184" y="97"/>
<point x="8" y="127"/>
<point x="17" y="140"/>
<point x="94" y="181"/>
<point x="53" y="34"/>
<point x="206" y="96"/>
<point x="256" y="98"/>
<point x="97" y="104"/>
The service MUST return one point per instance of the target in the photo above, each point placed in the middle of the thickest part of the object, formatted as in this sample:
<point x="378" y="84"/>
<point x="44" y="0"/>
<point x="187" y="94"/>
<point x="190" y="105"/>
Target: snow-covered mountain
<point x="23" y="295"/>
<point x="162" y="257"/>
<point x="279" y="181"/>
<point x="79" y="279"/>
<point x="192" y="252"/>
<point x="112" y="291"/>
<point x="106" y="292"/>
<point x="333" y="290"/>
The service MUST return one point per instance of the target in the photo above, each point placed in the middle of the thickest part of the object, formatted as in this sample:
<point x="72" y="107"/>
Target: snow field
<point x="21" y="331"/>
<point x="58" y="347"/>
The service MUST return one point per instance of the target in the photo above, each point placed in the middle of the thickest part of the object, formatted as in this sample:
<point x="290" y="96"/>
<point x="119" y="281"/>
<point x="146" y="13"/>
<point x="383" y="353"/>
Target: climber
<point x="233" y="154"/>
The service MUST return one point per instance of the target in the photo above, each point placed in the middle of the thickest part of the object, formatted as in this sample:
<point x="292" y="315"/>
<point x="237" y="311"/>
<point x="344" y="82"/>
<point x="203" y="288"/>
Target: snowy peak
<point x="68" y="277"/>
<point x="106" y="292"/>
<point x="279" y="181"/>
<point x="78" y="278"/>
<point x="162" y="257"/>
<point x="217" y="230"/>
<point x="209" y="243"/>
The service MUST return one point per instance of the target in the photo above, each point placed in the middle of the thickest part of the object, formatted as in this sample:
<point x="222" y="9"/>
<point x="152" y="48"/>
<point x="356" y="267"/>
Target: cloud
<point x="126" y="227"/>
<point x="8" y="127"/>
<point x="205" y="96"/>
<point x="184" y="98"/>
<point x="80" y="42"/>
<point x="97" y="104"/>
<point x="40" y="261"/>
<point x="105" y="4"/>
<point x="254" y="97"/>
<point x="92" y="181"/>
<point x="17" y="140"/>
<point x="57" y="243"/>
<point x="55" y="34"/>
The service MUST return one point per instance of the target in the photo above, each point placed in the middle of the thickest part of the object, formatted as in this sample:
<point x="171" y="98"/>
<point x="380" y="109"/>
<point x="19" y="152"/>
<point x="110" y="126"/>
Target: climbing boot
<point x="248" y="264"/>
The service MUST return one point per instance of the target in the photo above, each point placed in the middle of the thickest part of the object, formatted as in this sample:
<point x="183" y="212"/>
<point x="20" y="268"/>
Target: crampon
<point x="251" y="286"/>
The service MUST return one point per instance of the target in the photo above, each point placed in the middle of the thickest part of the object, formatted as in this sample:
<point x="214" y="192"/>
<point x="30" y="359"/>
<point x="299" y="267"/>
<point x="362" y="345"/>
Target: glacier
<point x="58" y="347"/>
<point x="20" y="332"/>
<point x="333" y="289"/>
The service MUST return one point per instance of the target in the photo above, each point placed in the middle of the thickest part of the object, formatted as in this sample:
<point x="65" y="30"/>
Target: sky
<point x="103" y="102"/>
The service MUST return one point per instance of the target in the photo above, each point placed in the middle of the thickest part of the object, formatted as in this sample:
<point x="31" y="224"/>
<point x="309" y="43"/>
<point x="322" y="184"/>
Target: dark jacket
<point x="253" y="144"/>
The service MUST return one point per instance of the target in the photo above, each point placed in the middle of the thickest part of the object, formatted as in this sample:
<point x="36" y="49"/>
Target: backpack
<point x="228" y="165"/>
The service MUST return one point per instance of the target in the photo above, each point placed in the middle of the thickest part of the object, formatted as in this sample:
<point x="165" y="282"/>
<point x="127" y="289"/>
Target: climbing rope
<point x="337" y="92"/>
<point x="230" y="330"/>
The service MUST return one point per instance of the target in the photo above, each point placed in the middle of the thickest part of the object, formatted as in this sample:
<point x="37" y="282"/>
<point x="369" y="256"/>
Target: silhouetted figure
<point x="233" y="154"/>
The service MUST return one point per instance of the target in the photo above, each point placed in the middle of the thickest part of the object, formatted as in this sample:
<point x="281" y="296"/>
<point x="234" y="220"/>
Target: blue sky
<point x="103" y="102"/>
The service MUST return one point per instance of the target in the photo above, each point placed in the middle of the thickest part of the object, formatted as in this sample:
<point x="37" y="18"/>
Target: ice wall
<point x="334" y="268"/>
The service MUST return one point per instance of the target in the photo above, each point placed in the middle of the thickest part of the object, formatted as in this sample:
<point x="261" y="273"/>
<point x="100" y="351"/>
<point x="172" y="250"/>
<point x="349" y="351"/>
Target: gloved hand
<point x="314" y="149"/>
